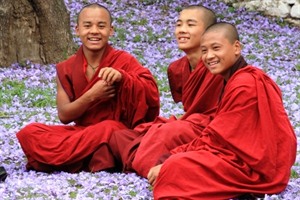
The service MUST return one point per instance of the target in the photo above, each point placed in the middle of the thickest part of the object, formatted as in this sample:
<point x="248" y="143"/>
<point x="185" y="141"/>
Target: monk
<point x="248" y="148"/>
<point x="192" y="84"/>
<point x="100" y="89"/>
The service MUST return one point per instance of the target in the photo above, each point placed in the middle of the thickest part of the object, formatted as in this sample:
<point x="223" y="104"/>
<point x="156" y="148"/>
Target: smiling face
<point x="94" y="28"/>
<point x="218" y="52"/>
<point x="189" y="28"/>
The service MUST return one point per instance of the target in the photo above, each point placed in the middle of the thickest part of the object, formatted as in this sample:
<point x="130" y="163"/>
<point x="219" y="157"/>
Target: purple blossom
<point x="268" y="44"/>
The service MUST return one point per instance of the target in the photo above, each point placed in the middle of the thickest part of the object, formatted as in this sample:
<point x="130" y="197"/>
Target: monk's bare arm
<point x="69" y="111"/>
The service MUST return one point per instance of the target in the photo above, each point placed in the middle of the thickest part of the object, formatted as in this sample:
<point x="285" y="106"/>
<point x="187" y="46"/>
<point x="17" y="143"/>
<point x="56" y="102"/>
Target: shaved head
<point x="207" y="15"/>
<point x="221" y="48"/>
<point x="228" y="30"/>
<point x="94" y="5"/>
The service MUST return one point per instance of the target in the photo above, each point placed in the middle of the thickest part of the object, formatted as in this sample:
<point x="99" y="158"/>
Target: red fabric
<point x="137" y="100"/>
<point x="84" y="146"/>
<point x="200" y="94"/>
<point x="194" y="89"/>
<point x="178" y="73"/>
<point x="161" y="137"/>
<point x="249" y="147"/>
<point x="68" y="148"/>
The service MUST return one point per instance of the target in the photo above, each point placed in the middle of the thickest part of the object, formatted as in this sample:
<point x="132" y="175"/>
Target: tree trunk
<point x="35" y="30"/>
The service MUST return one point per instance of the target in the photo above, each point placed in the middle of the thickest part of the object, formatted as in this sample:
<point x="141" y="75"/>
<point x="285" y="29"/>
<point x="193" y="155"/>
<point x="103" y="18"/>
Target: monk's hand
<point x="102" y="90"/>
<point x="153" y="173"/>
<point x="110" y="75"/>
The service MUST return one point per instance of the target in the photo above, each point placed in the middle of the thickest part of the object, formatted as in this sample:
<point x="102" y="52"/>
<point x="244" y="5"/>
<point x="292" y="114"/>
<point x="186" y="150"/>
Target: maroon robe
<point x="82" y="147"/>
<point x="194" y="89"/>
<point x="249" y="147"/>
<point x="178" y="73"/>
<point x="199" y="92"/>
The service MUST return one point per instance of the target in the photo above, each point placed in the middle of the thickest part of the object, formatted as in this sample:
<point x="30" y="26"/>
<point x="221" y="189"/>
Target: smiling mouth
<point x="183" y="39"/>
<point x="94" y="39"/>
<point x="212" y="63"/>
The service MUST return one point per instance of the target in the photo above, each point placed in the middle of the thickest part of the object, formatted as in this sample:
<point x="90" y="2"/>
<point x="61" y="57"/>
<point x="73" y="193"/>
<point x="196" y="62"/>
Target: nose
<point x="94" y="29"/>
<point x="209" y="54"/>
<point x="182" y="28"/>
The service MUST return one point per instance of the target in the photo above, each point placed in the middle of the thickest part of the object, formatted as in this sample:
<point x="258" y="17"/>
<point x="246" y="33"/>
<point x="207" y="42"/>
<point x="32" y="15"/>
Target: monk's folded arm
<point x="69" y="111"/>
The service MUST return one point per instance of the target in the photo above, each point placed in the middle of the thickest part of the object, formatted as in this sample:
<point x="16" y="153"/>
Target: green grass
<point x="294" y="174"/>
<point x="34" y="97"/>
<point x="10" y="89"/>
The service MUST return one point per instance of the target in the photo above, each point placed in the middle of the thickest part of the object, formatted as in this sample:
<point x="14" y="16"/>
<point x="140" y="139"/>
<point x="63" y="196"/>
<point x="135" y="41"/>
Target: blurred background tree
<point x="35" y="30"/>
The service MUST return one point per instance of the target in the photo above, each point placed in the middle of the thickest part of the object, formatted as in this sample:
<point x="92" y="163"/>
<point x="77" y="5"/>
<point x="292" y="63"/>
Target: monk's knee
<point x="174" y="164"/>
<point x="23" y="133"/>
<point x="179" y="131"/>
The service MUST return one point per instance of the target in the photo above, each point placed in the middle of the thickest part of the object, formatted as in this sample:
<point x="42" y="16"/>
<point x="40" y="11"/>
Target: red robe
<point x="249" y="146"/>
<point x="82" y="147"/>
<point x="193" y="88"/>
<point x="199" y="91"/>
<point x="178" y="73"/>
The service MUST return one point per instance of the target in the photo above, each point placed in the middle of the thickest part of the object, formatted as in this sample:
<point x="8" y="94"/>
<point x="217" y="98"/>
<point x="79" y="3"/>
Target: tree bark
<point x="34" y="30"/>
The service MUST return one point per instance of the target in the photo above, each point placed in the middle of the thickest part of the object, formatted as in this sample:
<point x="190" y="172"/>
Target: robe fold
<point x="83" y="146"/>
<point x="249" y="146"/>
<point x="199" y="92"/>
<point x="178" y="73"/>
<point x="137" y="98"/>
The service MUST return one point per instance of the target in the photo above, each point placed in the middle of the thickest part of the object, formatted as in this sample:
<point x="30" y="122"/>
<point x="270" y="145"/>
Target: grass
<point x="39" y="97"/>
<point x="42" y="97"/>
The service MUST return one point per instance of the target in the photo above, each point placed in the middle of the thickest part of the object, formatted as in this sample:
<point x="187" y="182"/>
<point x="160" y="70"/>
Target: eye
<point x="86" y="25"/>
<point x="191" y="24"/>
<point x="216" y="48"/>
<point x="203" y="51"/>
<point x="102" y="25"/>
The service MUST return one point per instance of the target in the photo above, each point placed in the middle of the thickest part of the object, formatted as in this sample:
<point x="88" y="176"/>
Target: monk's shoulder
<point x="123" y="54"/>
<point x="176" y="65"/>
<point x="63" y="63"/>
<point x="246" y="76"/>
<point x="242" y="84"/>
<point x="178" y="62"/>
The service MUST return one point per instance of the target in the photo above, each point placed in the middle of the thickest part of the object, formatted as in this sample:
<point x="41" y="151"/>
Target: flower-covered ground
<point x="145" y="29"/>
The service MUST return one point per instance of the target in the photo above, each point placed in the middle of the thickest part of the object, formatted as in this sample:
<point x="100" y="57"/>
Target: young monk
<point x="191" y="83"/>
<point x="249" y="146"/>
<point x="100" y="89"/>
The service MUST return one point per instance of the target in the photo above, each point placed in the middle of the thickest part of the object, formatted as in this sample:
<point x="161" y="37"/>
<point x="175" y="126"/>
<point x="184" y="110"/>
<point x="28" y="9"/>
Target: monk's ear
<point x="112" y="30"/>
<point x="77" y="30"/>
<point x="238" y="47"/>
